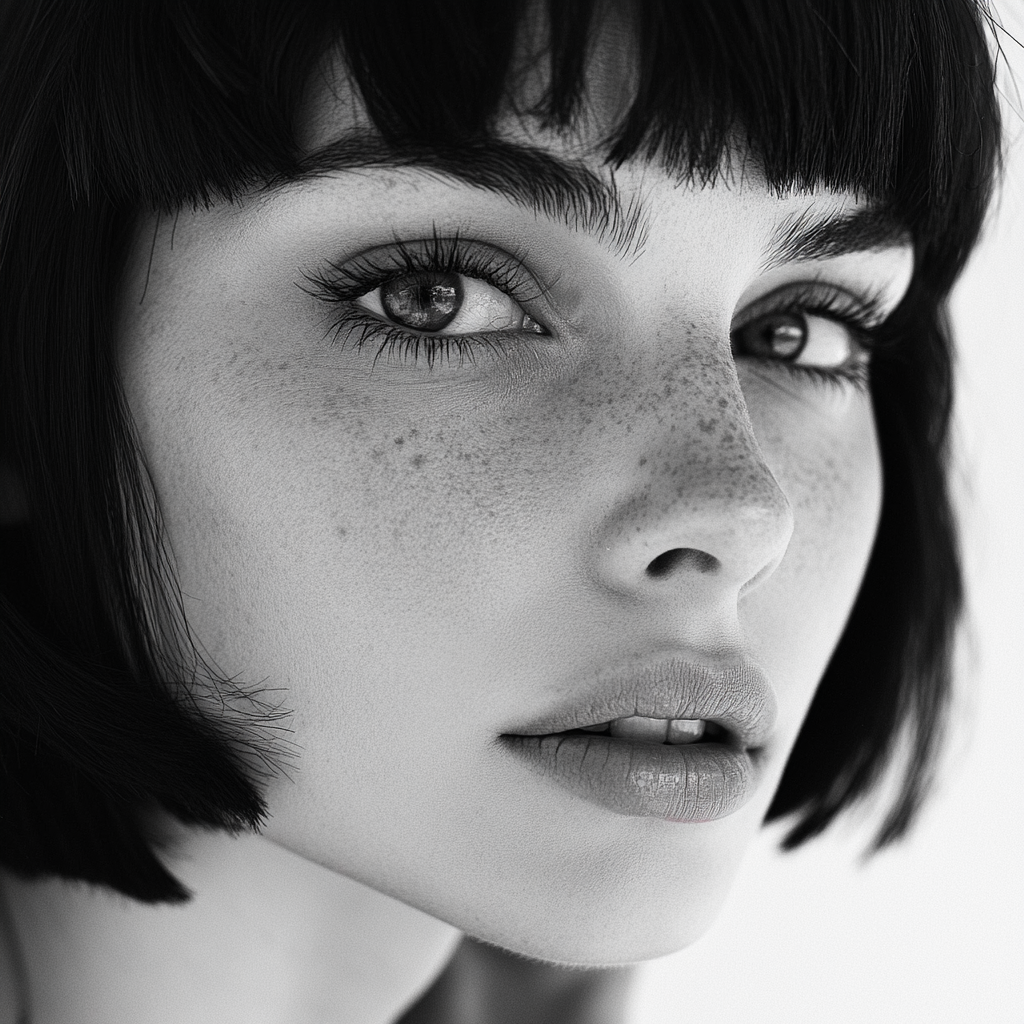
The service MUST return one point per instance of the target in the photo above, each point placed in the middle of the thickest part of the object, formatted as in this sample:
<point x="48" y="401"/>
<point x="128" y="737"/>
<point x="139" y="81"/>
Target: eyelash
<point x="341" y="284"/>
<point x="861" y="316"/>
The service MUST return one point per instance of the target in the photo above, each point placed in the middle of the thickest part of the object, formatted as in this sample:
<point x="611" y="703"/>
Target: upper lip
<point x="735" y="695"/>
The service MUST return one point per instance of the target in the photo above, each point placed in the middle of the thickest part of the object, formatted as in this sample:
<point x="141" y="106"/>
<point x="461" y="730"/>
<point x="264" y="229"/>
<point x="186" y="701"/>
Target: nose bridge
<point x="703" y="501"/>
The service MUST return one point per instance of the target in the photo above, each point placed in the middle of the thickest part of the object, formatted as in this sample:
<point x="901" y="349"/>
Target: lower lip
<point x="686" y="782"/>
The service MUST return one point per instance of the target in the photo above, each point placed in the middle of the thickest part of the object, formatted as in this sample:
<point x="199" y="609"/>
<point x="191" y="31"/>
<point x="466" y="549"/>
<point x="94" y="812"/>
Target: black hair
<point x="109" y="110"/>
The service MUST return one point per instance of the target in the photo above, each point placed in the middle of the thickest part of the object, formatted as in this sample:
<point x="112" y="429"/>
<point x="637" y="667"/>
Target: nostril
<point x="678" y="558"/>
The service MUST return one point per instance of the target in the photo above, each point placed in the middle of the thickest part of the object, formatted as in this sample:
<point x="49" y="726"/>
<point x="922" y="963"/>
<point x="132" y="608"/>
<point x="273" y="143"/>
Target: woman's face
<point x="447" y="460"/>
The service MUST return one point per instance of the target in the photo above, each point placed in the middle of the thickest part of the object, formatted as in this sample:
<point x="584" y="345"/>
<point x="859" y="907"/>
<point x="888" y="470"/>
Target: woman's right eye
<point x="432" y="301"/>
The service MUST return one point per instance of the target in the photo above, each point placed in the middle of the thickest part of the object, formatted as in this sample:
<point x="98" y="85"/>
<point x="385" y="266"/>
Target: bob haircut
<point x="112" y="110"/>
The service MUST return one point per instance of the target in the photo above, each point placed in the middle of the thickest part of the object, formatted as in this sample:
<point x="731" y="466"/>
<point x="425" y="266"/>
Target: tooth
<point x="685" y="730"/>
<point x="646" y="730"/>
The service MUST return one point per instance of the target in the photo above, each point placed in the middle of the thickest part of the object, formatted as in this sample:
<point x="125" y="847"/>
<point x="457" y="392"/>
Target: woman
<point x="465" y="468"/>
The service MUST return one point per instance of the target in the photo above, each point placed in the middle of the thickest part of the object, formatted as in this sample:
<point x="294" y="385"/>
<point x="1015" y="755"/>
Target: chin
<point x="635" y="909"/>
<point x="610" y="940"/>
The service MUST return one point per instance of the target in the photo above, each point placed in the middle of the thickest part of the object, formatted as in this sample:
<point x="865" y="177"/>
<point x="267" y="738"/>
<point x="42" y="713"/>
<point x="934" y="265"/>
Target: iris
<point x="425" y="301"/>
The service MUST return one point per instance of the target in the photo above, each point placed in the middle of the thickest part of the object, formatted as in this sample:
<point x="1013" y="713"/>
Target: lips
<point x="689" y="782"/>
<point x="735" y="695"/>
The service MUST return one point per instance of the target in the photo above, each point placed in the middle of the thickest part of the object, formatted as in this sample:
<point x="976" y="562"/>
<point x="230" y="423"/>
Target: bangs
<point x="891" y="99"/>
<point x="822" y="92"/>
<point x="888" y="99"/>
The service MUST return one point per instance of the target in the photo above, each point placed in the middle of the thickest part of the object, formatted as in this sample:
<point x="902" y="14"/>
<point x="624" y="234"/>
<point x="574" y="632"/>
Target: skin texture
<point x="424" y="560"/>
<point x="418" y="560"/>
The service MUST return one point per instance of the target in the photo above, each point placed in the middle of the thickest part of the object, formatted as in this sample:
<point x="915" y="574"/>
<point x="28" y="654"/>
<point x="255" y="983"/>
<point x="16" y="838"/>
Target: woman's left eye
<point x="431" y="301"/>
<point x="798" y="337"/>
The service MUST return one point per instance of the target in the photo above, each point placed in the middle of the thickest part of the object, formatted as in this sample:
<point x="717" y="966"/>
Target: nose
<point x="701" y="507"/>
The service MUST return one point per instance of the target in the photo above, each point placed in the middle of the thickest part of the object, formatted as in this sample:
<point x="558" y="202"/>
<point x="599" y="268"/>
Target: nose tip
<point x="714" y="521"/>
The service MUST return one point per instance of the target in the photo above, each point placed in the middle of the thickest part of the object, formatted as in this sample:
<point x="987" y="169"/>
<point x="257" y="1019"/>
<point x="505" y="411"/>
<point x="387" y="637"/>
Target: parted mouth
<point x="673" y="700"/>
<point x="660" y="730"/>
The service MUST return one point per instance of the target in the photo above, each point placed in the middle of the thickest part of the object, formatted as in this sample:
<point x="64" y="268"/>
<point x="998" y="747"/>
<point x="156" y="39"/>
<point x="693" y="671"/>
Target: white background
<point x="931" y="932"/>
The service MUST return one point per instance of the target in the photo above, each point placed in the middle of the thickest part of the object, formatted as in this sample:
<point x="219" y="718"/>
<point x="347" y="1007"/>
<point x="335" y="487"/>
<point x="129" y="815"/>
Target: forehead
<point x="564" y="174"/>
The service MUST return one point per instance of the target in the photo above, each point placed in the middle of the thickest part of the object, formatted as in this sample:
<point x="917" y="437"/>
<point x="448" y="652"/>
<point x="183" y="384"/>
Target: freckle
<point x="643" y="462"/>
<point x="340" y="531"/>
<point x="418" y="460"/>
<point x="707" y="426"/>
<point x="723" y="403"/>
<point x="399" y="440"/>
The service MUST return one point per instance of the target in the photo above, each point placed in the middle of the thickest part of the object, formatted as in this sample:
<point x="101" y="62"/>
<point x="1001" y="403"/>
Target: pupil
<point x="424" y="301"/>
<point x="783" y="335"/>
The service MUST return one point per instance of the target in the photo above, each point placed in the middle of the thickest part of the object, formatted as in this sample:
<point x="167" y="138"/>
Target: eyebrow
<point x="570" y="191"/>
<point x="808" y="235"/>
<point x="529" y="177"/>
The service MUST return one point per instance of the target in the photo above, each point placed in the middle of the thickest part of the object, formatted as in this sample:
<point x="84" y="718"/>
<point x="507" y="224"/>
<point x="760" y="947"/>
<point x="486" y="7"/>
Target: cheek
<point x="359" y="557"/>
<point x="830" y="469"/>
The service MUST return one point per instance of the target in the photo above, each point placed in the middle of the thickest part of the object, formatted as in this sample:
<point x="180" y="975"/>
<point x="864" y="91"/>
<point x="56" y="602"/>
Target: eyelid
<point x="863" y="311"/>
<point x="344" y="281"/>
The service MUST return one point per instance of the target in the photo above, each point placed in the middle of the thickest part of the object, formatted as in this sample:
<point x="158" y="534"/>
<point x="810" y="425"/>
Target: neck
<point x="268" y="938"/>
